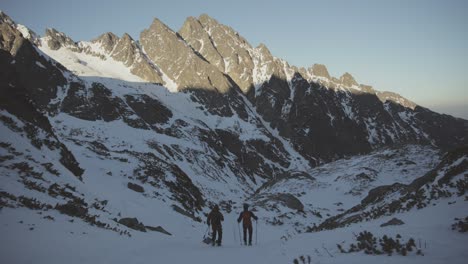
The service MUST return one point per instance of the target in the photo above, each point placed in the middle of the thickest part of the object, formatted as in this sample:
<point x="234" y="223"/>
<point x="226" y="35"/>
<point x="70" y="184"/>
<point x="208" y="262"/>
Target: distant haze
<point x="415" y="48"/>
<point x="457" y="110"/>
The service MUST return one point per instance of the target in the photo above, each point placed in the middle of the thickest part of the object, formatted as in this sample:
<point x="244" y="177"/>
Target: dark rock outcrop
<point x="392" y="222"/>
<point x="149" y="109"/>
<point x="73" y="208"/>
<point x="21" y="97"/>
<point x="132" y="223"/>
<point x="158" y="229"/>
<point x="285" y="199"/>
<point x="135" y="187"/>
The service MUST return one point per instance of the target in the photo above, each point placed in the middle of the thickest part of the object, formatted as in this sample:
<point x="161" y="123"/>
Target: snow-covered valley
<point x="42" y="232"/>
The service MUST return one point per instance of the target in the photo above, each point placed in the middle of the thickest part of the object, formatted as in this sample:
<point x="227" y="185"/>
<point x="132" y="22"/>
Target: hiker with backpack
<point x="215" y="217"/>
<point x="246" y="218"/>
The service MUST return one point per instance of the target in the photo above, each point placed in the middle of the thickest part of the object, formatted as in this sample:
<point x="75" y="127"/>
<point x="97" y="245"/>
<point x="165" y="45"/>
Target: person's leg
<point x="220" y="235"/>
<point x="250" y="234"/>
<point x="245" y="234"/>
<point x="213" y="238"/>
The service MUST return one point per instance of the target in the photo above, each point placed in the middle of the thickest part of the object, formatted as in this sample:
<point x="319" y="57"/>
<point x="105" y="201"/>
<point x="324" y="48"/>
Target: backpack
<point x="247" y="218"/>
<point x="216" y="218"/>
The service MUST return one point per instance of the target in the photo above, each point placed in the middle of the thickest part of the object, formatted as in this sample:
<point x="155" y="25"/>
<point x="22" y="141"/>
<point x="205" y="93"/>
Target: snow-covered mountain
<point x="94" y="134"/>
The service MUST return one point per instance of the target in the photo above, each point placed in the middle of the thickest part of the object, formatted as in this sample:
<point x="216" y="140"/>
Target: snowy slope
<point x="89" y="63"/>
<point x="24" y="228"/>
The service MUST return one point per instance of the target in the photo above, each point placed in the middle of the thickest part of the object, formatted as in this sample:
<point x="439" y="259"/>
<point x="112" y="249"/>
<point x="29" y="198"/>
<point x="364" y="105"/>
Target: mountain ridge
<point x="90" y="149"/>
<point x="269" y="83"/>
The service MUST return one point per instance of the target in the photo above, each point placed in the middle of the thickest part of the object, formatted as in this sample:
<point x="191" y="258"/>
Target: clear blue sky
<point x="418" y="48"/>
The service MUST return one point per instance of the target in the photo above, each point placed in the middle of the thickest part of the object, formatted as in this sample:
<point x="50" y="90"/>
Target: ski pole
<point x="256" y="232"/>
<point x="234" y="234"/>
<point x="238" y="228"/>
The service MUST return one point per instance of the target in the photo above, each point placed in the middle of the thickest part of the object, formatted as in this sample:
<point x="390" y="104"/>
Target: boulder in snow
<point x="135" y="187"/>
<point x="132" y="223"/>
<point x="393" y="221"/>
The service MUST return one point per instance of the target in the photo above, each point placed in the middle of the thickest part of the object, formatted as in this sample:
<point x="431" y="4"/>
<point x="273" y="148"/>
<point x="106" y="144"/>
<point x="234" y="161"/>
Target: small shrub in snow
<point x="367" y="243"/>
<point x="461" y="225"/>
<point x="302" y="259"/>
<point x="32" y="203"/>
<point x="462" y="186"/>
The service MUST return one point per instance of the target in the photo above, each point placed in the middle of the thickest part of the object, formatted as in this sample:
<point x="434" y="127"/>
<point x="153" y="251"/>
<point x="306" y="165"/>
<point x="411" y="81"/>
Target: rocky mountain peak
<point x="126" y="50"/>
<point x="195" y="35"/>
<point x="366" y="88"/>
<point x="57" y="40"/>
<point x="192" y="23"/>
<point x="205" y="19"/>
<point x="395" y="98"/>
<point x="25" y="31"/>
<point x="127" y="40"/>
<point x="320" y="70"/>
<point x="348" y="80"/>
<point x="263" y="49"/>
<point x="222" y="47"/>
<point x="107" y="41"/>
<point x="179" y="61"/>
<point x="157" y="25"/>
<point x="127" y="37"/>
<point x="4" y="18"/>
<point x="265" y="66"/>
<point x="9" y="37"/>
<point x="192" y="30"/>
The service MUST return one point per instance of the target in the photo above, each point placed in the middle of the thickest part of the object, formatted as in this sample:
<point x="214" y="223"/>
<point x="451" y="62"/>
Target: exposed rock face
<point x="126" y="50"/>
<point x="39" y="76"/>
<point x="366" y="88"/>
<point x="222" y="47"/>
<point x="57" y="40"/>
<point x="73" y="209"/>
<point x="150" y="110"/>
<point x="97" y="102"/>
<point x="283" y="95"/>
<point x="320" y="70"/>
<point x="107" y="40"/>
<point x="133" y="223"/>
<point x="158" y="229"/>
<point x="135" y="187"/>
<point x="285" y="199"/>
<point x="11" y="39"/>
<point x="394" y="221"/>
<point x="25" y="32"/>
<point x="347" y="80"/>
<point x="179" y="62"/>
<point x="265" y="67"/>
<point x="22" y="72"/>
<point x="395" y="98"/>
<point x="195" y="35"/>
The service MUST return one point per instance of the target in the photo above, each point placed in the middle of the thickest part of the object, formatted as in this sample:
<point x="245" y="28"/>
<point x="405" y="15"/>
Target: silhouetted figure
<point x="215" y="217"/>
<point x="246" y="218"/>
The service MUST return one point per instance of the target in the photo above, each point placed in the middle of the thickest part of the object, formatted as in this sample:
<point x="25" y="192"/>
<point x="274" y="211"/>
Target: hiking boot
<point x="219" y="243"/>
<point x="250" y="243"/>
